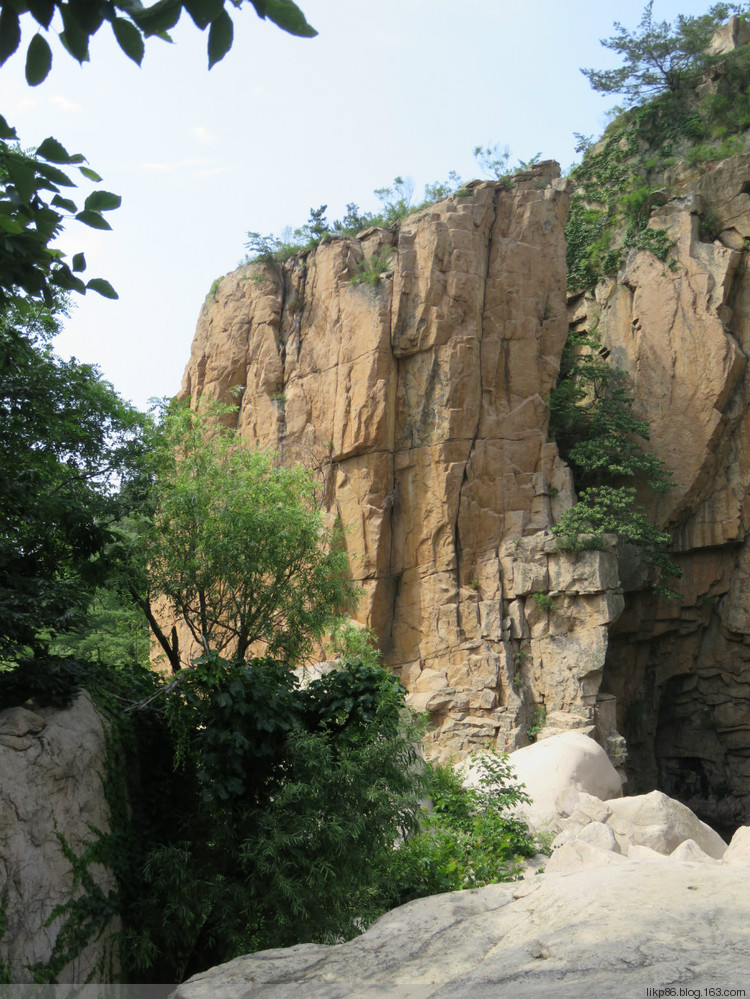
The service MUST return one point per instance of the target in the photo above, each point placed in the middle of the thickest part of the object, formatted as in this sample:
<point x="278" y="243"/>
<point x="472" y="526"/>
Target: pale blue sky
<point x="284" y="124"/>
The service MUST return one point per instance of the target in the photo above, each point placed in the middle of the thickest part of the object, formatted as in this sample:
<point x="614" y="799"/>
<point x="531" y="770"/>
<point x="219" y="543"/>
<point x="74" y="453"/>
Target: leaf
<point x="93" y="219"/>
<point x="220" y="38"/>
<point x="42" y="11"/>
<point x="204" y="12"/>
<point x="6" y="132"/>
<point x="89" y="14"/>
<point x="38" y="60"/>
<point x="10" y="32"/>
<point x="64" y="278"/>
<point x="53" y="174"/>
<point x="53" y="151"/>
<point x="287" y="15"/>
<point x="65" y="203"/>
<point x="159" y="17"/>
<point x="74" y="37"/>
<point x="129" y="39"/>
<point x="102" y="201"/>
<point x="10" y="225"/>
<point x="90" y="174"/>
<point x="102" y="287"/>
<point x="79" y="262"/>
<point x="23" y="175"/>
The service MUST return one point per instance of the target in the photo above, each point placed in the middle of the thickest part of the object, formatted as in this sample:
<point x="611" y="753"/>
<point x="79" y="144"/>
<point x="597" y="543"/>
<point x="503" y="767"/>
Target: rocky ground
<point x="638" y="894"/>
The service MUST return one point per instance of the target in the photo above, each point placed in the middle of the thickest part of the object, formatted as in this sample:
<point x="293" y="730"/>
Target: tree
<point x="66" y="439"/>
<point x="659" y="57"/>
<point x="132" y="23"/>
<point x="237" y="547"/>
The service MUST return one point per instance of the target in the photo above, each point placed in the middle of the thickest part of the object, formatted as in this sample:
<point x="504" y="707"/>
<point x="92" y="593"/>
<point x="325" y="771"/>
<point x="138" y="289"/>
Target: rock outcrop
<point x="608" y="930"/>
<point x="680" y="670"/>
<point x="422" y="404"/>
<point x="51" y="801"/>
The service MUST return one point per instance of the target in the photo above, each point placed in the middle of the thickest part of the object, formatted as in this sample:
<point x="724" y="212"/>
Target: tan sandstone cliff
<point x="422" y="404"/>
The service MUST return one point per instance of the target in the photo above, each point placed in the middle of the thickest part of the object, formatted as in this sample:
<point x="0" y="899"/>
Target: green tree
<point x="237" y="546"/>
<point x="66" y="436"/>
<point x="266" y="834"/>
<point x="66" y="440"/>
<point x="659" y="57"/>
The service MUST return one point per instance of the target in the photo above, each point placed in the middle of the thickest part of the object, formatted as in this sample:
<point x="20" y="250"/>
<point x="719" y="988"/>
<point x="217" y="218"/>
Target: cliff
<point x="421" y="400"/>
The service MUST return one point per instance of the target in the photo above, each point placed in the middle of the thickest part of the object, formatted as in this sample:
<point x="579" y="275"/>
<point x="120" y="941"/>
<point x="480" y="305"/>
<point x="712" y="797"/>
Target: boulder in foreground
<point x="613" y="931"/>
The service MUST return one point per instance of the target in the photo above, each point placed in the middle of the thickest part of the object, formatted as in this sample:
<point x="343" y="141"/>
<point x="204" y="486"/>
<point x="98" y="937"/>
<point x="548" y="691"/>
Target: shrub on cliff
<point x="597" y="432"/>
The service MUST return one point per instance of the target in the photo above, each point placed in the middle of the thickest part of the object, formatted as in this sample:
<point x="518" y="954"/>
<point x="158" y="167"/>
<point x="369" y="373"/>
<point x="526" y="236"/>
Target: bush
<point x="467" y="840"/>
<point x="283" y="796"/>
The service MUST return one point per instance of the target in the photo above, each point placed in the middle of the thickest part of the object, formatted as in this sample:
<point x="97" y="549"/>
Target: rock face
<point x="51" y="763"/>
<point x="421" y="403"/>
<point x="603" y="931"/>
<point x="680" y="671"/>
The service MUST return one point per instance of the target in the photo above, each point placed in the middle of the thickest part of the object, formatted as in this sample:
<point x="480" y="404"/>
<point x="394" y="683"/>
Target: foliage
<point x="544" y="601"/>
<point x="132" y="24"/>
<point x="597" y="432"/>
<point x="604" y="510"/>
<point x="30" y="221"/>
<point x="467" y="839"/>
<point x="621" y="177"/>
<point x="537" y="723"/>
<point x="85" y="915"/>
<point x="397" y="202"/>
<point x="286" y="795"/>
<point x="659" y="57"/>
<point x="495" y="162"/>
<point x="66" y="441"/>
<point x="371" y="269"/>
<point x="592" y="419"/>
<point x="237" y="545"/>
<point x="114" y="633"/>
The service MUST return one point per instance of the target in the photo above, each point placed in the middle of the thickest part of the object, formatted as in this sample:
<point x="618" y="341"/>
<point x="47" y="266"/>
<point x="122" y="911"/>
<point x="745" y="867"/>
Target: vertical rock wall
<point x="421" y="402"/>
<point x="681" y="670"/>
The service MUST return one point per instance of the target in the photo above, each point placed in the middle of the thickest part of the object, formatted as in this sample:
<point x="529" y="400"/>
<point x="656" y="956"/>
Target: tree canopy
<point x="237" y="546"/>
<point x="658" y="56"/>
<point x="66" y="441"/>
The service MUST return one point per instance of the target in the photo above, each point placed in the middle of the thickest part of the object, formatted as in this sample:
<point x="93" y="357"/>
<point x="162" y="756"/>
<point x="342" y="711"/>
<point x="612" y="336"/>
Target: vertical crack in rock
<point x="392" y="495"/>
<point x="480" y="336"/>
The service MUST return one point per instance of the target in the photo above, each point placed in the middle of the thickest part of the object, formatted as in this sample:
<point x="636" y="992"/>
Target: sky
<point x="283" y="125"/>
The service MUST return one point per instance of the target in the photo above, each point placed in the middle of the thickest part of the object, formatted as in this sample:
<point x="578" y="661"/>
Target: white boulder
<point x="661" y="823"/>
<point x="738" y="851"/>
<point x="559" y="768"/>
<point x="690" y="852"/>
<point x="578" y="853"/>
